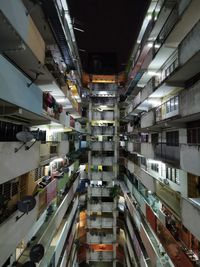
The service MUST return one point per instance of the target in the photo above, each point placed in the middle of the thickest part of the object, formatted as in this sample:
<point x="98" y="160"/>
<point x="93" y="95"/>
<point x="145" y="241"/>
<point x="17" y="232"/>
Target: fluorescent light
<point x="153" y="73"/>
<point x="61" y="100"/>
<point x="149" y="17"/>
<point x="57" y="160"/>
<point x="157" y="45"/>
<point x="103" y="106"/>
<point x="150" y="44"/>
<point x="78" y="29"/>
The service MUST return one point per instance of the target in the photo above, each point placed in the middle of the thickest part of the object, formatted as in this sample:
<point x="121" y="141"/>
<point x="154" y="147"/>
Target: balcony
<point x="133" y="147"/>
<point x="98" y="192"/>
<point x="148" y="119"/>
<point x="147" y="180"/>
<point x="103" y="207"/>
<point x="168" y="109"/>
<point x="169" y="196"/>
<point x="109" y="130"/>
<point x="100" y="238"/>
<point x="190" y="214"/>
<point x="189" y="158"/>
<point x="22" y="39"/>
<point x="104" y="176"/>
<point x="166" y="153"/>
<point x="100" y="222"/>
<point x="104" y="115"/>
<point x="148" y="89"/>
<point x="102" y="146"/>
<point x="188" y="27"/>
<point x="59" y="238"/>
<point x="147" y="150"/>
<point x="189" y="101"/>
<point x="105" y="161"/>
<point x="48" y="151"/>
<point x="23" y="226"/>
<point x="100" y="256"/>
<point x="26" y="102"/>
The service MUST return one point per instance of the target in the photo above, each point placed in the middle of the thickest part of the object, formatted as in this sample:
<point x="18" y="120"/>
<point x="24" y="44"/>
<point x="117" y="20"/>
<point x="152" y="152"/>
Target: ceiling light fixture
<point x="150" y="44"/>
<point x="153" y="73"/>
<point x="78" y="29"/>
<point x="61" y="100"/>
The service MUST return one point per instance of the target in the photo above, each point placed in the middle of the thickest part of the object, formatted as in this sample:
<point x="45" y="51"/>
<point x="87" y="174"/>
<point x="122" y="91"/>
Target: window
<point x="173" y="175"/>
<point x="154" y="138"/>
<point x="172" y="138"/>
<point x="172" y="104"/>
<point x="144" y="137"/>
<point x="155" y="167"/>
<point x="193" y="135"/>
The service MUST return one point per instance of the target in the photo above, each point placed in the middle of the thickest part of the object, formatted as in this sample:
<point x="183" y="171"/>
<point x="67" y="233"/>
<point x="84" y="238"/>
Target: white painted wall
<point x="16" y="164"/>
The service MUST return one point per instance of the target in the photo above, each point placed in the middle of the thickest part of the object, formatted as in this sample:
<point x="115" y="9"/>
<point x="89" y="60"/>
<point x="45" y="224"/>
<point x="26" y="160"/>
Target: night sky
<point x="110" y="26"/>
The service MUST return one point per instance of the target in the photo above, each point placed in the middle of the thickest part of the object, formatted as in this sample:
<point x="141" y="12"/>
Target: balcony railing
<point x="98" y="192"/>
<point x="105" y="176"/>
<point x="100" y="238"/>
<point x="148" y="119"/>
<point x="168" y="109"/>
<point x="168" y="153"/>
<point x="100" y="222"/>
<point x="103" y="207"/>
<point x="168" y="67"/>
<point x="101" y="256"/>
<point x="168" y="26"/>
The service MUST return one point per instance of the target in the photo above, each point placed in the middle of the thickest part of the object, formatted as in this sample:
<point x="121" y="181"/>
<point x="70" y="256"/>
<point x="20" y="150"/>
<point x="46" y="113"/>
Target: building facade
<point x="110" y="181"/>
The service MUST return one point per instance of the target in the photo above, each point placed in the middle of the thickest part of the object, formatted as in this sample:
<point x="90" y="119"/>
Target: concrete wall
<point x="16" y="164"/>
<point x="189" y="160"/>
<point x="148" y="119"/>
<point x="14" y="88"/>
<point x="191" y="217"/>
<point x="183" y="5"/>
<point x="189" y="101"/>
<point x="63" y="148"/>
<point x="147" y="150"/>
<point x="24" y="26"/>
<point x="189" y="45"/>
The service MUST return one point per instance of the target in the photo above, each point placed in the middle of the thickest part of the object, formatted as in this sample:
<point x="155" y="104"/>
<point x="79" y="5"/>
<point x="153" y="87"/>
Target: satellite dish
<point x="36" y="253"/>
<point x="29" y="264"/>
<point x="26" y="204"/>
<point x="24" y="136"/>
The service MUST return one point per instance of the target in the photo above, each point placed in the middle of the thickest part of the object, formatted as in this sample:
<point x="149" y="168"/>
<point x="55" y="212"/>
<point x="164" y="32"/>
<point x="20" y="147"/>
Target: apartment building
<point x="160" y="150"/>
<point x="99" y="169"/>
